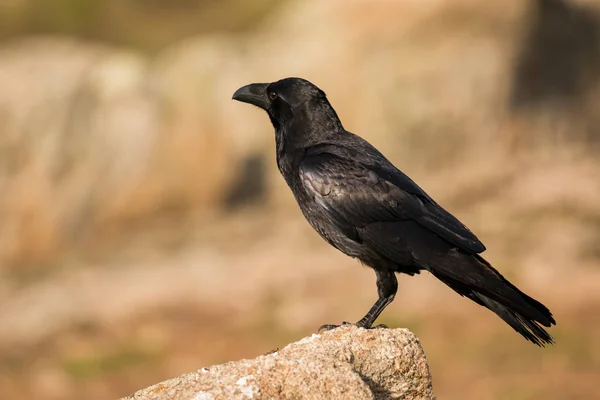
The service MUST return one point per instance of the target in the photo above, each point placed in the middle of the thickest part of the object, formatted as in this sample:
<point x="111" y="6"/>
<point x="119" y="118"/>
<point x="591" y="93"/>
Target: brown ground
<point x="105" y="332"/>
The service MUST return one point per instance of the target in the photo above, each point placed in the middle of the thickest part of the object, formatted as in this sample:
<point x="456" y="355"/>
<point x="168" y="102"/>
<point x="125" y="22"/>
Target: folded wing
<point x="356" y="195"/>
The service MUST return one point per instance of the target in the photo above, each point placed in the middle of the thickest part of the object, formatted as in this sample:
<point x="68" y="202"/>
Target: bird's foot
<point x="329" y="327"/>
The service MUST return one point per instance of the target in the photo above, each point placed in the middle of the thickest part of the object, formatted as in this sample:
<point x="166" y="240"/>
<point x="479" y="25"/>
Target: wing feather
<point x="359" y="195"/>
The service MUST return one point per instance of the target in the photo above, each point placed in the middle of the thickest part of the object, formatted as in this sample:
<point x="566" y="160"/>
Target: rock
<point x="110" y="137"/>
<point x="78" y="124"/>
<point x="200" y="144"/>
<point x="345" y="363"/>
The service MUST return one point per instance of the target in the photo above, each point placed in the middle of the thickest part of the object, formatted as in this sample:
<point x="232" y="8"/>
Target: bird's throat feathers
<point x="309" y="124"/>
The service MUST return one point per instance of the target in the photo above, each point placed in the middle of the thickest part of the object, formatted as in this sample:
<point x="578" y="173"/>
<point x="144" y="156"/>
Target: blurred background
<point x="146" y="231"/>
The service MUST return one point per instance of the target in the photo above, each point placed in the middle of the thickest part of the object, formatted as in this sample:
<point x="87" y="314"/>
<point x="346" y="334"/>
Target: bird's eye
<point x="272" y="95"/>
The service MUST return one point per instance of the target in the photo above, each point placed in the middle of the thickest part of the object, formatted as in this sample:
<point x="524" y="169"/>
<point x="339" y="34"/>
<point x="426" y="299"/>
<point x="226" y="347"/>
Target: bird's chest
<point x="312" y="211"/>
<point x="320" y="221"/>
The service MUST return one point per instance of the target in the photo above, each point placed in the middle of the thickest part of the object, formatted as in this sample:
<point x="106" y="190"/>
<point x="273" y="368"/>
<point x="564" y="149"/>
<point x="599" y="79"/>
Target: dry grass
<point x="148" y="25"/>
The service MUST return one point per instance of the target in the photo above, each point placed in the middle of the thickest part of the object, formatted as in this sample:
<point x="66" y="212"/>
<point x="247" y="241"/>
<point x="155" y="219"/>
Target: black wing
<point x="377" y="205"/>
<point x="356" y="196"/>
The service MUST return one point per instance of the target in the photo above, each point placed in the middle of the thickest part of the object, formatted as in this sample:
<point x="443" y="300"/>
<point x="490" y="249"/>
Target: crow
<point x="364" y="206"/>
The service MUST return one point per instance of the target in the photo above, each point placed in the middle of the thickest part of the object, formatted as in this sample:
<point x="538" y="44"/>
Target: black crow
<point x="361" y="204"/>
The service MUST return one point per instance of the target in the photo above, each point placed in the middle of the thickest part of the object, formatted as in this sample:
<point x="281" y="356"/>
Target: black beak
<point x="254" y="93"/>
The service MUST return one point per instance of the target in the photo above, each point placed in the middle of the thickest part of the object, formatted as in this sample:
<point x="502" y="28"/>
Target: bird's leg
<point x="387" y="286"/>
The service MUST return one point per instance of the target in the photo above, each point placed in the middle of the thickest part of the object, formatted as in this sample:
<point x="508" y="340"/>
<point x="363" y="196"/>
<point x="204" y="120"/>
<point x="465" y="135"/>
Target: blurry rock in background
<point x="145" y="230"/>
<point x="558" y="69"/>
<point x="119" y="140"/>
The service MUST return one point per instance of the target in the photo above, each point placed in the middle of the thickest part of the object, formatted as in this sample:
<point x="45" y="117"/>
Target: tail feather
<point x="473" y="277"/>
<point x="528" y="328"/>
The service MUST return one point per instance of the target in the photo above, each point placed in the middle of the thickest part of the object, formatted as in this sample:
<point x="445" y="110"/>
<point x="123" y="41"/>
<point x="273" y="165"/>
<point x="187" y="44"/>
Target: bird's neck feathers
<point x="320" y="118"/>
<point x="310" y="124"/>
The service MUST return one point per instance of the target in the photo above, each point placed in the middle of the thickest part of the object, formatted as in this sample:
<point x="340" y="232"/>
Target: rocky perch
<point x="345" y="363"/>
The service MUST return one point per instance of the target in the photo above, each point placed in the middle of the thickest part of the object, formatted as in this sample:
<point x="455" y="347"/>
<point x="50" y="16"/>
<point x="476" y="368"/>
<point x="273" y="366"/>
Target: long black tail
<point x="473" y="277"/>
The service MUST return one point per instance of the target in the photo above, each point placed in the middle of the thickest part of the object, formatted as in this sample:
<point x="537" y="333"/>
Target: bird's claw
<point x="329" y="327"/>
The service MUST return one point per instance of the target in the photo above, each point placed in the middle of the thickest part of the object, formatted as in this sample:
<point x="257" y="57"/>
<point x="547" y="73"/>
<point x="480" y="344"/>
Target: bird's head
<point x="297" y="108"/>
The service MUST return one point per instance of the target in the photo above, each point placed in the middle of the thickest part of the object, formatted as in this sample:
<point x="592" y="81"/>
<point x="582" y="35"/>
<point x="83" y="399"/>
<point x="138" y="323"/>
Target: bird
<point x="364" y="206"/>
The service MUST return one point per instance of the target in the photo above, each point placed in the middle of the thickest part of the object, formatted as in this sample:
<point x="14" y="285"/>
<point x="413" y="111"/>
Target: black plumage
<point x="361" y="204"/>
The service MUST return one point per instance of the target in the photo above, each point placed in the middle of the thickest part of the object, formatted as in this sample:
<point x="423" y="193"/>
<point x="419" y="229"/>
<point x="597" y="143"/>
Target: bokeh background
<point x="145" y="231"/>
